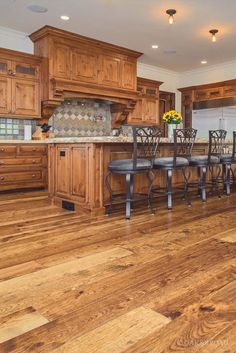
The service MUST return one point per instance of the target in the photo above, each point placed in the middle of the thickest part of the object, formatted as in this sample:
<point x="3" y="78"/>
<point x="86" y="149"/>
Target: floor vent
<point x="70" y="206"/>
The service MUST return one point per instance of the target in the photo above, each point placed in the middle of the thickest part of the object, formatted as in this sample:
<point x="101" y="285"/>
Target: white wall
<point x="15" y="40"/>
<point x="208" y="74"/>
<point x="169" y="78"/>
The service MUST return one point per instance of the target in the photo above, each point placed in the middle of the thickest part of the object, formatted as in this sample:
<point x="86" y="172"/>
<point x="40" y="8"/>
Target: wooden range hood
<point x="75" y="66"/>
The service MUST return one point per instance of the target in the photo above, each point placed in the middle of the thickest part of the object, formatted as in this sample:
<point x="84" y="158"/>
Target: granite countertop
<point x="99" y="139"/>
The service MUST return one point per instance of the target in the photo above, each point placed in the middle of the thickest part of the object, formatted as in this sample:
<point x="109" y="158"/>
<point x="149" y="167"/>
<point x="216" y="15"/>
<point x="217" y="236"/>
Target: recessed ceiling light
<point x="169" y="51"/>
<point x="154" y="46"/>
<point x="65" y="17"/>
<point x="203" y="62"/>
<point x="37" y="8"/>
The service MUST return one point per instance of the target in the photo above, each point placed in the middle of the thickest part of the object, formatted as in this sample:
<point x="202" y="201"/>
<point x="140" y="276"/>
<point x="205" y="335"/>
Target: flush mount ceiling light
<point x="154" y="46"/>
<point x="64" y="17"/>
<point x="213" y="33"/>
<point x="171" y="13"/>
<point x="37" y="8"/>
<point x="203" y="62"/>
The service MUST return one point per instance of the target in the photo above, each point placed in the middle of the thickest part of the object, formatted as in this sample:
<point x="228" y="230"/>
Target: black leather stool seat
<point x="168" y="162"/>
<point x="227" y="158"/>
<point x="128" y="165"/>
<point x="202" y="160"/>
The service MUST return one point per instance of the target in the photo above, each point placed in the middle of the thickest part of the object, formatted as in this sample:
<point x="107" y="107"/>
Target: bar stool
<point x="183" y="145"/>
<point x="145" y="143"/>
<point x="227" y="160"/>
<point x="209" y="161"/>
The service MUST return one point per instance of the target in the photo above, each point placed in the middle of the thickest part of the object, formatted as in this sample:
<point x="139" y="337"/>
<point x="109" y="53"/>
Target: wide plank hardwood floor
<point x="155" y="284"/>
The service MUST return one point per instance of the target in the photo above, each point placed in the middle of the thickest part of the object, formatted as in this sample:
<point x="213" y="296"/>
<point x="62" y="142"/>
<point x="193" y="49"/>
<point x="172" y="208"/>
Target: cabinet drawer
<point x="27" y="161"/>
<point x="32" y="149"/>
<point x="20" y="177"/>
<point x="7" y="150"/>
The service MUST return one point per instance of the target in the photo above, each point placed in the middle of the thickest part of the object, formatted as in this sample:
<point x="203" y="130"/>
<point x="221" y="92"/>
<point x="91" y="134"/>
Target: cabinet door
<point x="23" y="70"/>
<point x="63" y="170"/>
<point x="5" y="67"/>
<point x="136" y="115"/>
<point x="110" y="71"/>
<point x="229" y="91"/>
<point x="5" y="95"/>
<point x="150" y="111"/>
<point x="25" y="97"/>
<point x="62" y="61"/>
<point x="129" y="73"/>
<point x="84" y="66"/>
<point x="79" y="173"/>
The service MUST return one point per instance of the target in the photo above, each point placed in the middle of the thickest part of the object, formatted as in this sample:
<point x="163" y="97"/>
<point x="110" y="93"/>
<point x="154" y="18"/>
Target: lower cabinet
<point x="71" y="172"/>
<point x="23" y="166"/>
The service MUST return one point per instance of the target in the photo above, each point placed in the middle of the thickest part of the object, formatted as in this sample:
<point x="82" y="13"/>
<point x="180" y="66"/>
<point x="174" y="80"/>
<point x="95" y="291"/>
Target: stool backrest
<point x="216" y="143"/>
<point x="183" y="142"/>
<point x="234" y="145"/>
<point x="146" y="141"/>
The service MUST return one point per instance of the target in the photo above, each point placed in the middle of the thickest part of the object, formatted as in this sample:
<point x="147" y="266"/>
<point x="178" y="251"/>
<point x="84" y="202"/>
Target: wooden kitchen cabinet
<point x="129" y="76"/>
<point x="23" y="166"/>
<point x="61" y="61"/>
<point x="63" y="165"/>
<point x="84" y="66"/>
<point x="78" y="66"/>
<point x="71" y="172"/>
<point x="110" y="73"/>
<point x="146" y="110"/>
<point x="25" y="97"/>
<point x="204" y="93"/>
<point x="5" y="95"/>
<point x="19" y="84"/>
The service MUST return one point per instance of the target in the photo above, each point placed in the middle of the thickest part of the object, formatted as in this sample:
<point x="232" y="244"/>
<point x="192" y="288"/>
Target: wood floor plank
<point x="125" y="331"/>
<point x="157" y="284"/>
<point x="20" y="322"/>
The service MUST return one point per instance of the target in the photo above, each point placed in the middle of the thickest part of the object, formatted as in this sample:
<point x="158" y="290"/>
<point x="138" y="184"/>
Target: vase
<point x="171" y="128"/>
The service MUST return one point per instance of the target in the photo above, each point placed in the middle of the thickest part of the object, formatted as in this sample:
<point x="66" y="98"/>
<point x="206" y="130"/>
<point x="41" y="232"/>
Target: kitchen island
<point x="78" y="166"/>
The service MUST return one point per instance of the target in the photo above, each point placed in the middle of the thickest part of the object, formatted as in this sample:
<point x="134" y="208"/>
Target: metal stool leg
<point x="169" y="188"/>
<point x="151" y="177"/>
<point x="128" y="196"/>
<point x="199" y="181"/>
<point x="227" y="177"/>
<point x="203" y="186"/>
<point x="108" y="185"/>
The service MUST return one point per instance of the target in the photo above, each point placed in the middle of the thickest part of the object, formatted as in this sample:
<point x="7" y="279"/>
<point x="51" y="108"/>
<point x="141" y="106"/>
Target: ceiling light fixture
<point x="65" y="17"/>
<point x="171" y="13"/>
<point x="154" y="46"/>
<point x="203" y="62"/>
<point x="213" y="33"/>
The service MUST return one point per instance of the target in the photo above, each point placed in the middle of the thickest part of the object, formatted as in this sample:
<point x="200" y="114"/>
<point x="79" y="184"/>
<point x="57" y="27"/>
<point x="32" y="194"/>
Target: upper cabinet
<point x="146" y="110"/>
<point x="194" y="95"/>
<point x="109" y="71"/>
<point x="75" y="65"/>
<point x="19" y="84"/>
<point x="84" y="66"/>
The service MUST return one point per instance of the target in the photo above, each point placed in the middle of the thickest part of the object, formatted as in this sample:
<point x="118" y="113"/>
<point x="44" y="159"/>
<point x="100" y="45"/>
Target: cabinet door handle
<point x="33" y="175"/>
<point x="2" y="178"/>
<point x="34" y="161"/>
<point x="2" y="149"/>
<point x="2" y="162"/>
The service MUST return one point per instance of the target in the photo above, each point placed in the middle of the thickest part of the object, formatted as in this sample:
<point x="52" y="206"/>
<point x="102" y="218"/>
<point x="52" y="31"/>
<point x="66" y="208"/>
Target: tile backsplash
<point x="81" y="118"/>
<point x="13" y="129"/>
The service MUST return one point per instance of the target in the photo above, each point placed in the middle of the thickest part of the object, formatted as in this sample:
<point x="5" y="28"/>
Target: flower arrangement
<point x="172" y="117"/>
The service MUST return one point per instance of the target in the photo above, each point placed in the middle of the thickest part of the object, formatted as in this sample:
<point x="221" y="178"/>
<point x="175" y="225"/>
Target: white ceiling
<point x="137" y="24"/>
